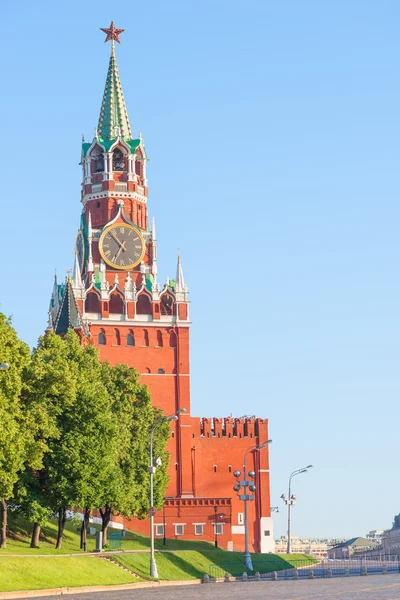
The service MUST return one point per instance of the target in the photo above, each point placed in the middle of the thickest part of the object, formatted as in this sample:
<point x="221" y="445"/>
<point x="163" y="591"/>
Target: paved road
<point x="374" y="587"/>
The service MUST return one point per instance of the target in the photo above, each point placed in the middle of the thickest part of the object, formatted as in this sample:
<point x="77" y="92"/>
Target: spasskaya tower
<point x="115" y="300"/>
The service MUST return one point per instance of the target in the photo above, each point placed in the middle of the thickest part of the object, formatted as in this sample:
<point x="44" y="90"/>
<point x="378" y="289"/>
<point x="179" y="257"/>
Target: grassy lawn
<point x="192" y="564"/>
<point x="23" y="573"/>
<point x="19" y="539"/>
<point x="182" y="560"/>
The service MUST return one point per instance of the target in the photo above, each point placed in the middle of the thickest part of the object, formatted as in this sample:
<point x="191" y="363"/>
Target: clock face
<point x="80" y="249"/>
<point x="122" y="246"/>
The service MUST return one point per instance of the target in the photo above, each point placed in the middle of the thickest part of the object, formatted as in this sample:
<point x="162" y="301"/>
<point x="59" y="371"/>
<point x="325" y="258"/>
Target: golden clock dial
<point x="122" y="246"/>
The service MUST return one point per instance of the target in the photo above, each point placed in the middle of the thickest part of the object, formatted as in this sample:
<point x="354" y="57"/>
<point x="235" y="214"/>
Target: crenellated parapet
<point x="231" y="427"/>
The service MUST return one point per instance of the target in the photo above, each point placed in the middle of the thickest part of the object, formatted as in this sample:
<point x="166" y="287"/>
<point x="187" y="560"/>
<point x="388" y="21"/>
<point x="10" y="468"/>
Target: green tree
<point x="16" y="446"/>
<point x="29" y="502"/>
<point x="50" y="389"/>
<point x="92" y="423"/>
<point x="127" y="492"/>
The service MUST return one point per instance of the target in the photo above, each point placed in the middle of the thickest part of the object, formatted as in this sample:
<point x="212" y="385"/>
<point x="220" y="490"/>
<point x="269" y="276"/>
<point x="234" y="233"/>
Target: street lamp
<point x="152" y="470"/>
<point x="4" y="366"/>
<point x="290" y="501"/>
<point x="275" y="509"/>
<point x="216" y="523"/>
<point x="246" y="483"/>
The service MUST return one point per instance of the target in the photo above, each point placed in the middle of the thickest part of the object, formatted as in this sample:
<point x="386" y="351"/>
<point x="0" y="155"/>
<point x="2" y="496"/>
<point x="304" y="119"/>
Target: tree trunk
<point x="105" y="521"/>
<point x="61" y="523"/>
<point x="35" y="536"/>
<point x="85" y="523"/>
<point x="3" y="522"/>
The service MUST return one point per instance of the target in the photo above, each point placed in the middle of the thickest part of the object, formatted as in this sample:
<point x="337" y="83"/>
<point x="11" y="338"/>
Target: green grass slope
<point x="20" y="531"/>
<point x="193" y="564"/>
<point x="23" y="573"/>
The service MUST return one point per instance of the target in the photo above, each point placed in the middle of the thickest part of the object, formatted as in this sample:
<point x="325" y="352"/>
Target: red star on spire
<point x="112" y="33"/>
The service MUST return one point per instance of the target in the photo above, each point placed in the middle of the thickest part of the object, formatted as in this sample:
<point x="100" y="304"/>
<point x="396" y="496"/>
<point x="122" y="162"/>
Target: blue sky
<point x="273" y="134"/>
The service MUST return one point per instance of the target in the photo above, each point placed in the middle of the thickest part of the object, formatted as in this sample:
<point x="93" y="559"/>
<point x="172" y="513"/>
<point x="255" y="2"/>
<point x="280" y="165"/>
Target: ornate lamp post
<point x="247" y="483"/>
<point x="290" y="501"/>
<point x="216" y="523"/>
<point x="152" y="470"/>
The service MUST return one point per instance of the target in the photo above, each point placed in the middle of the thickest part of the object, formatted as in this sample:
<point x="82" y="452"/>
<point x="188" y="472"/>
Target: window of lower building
<point x="159" y="529"/>
<point x="267" y="532"/>
<point x="218" y="528"/>
<point x="179" y="529"/>
<point x="198" y="528"/>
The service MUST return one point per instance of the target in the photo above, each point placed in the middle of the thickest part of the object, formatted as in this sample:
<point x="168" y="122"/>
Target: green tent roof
<point x="113" y="111"/>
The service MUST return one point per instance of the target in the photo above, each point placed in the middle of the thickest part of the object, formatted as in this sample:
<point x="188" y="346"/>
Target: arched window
<point x="145" y="337"/>
<point x="167" y="305"/>
<point x="161" y="371"/>
<point x="143" y="305"/>
<point x="159" y="339"/>
<point x="116" y="304"/>
<point x="118" y="160"/>
<point x="99" y="163"/>
<point x="130" y="338"/>
<point x="147" y="370"/>
<point x="101" y="339"/>
<point x="138" y="167"/>
<point x="230" y="469"/>
<point x="117" y="337"/>
<point x="172" y="339"/>
<point x="92" y="303"/>
<point x="215" y="468"/>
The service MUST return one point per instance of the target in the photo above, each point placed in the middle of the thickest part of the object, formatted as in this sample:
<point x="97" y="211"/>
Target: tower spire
<point x="180" y="281"/>
<point x="113" y="120"/>
<point x="77" y="283"/>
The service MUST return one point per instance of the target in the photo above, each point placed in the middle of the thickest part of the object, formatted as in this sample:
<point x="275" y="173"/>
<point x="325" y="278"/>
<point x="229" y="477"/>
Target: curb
<point x="94" y="588"/>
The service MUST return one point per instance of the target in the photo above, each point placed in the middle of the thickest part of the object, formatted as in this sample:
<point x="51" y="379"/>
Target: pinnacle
<point x="113" y="114"/>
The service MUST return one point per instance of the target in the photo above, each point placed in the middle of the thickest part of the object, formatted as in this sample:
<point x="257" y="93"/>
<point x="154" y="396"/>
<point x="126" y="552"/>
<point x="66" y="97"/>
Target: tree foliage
<point x="90" y="426"/>
<point x="16" y="447"/>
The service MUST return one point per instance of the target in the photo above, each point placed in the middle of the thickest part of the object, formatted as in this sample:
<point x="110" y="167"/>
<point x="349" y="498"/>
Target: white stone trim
<point x="238" y="529"/>
<point x="267" y="543"/>
<point x="125" y="321"/>
<point x="113" y="194"/>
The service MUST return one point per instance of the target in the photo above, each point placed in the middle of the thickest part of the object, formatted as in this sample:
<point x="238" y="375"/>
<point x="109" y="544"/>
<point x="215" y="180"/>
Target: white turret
<point x="77" y="283"/>
<point x="154" y="269"/>
<point x="90" y="267"/>
<point x="180" y="281"/>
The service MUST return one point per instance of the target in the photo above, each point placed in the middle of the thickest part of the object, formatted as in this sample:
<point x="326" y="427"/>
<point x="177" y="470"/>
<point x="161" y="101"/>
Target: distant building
<point x="350" y="547"/>
<point x="315" y="547"/>
<point x="391" y="538"/>
<point x="376" y="536"/>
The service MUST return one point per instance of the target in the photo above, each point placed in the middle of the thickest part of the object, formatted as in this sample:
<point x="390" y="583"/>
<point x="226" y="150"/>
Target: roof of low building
<point x="357" y="541"/>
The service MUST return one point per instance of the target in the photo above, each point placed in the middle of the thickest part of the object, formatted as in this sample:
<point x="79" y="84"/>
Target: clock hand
<point x="118" y="253"/>
<point x="122" y="244"/>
